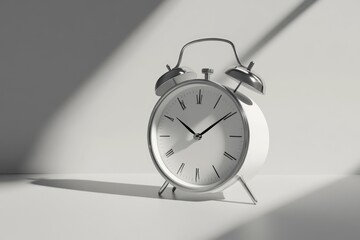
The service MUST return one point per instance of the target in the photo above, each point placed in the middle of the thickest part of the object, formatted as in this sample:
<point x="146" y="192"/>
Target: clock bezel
<point x="161" y="167"/>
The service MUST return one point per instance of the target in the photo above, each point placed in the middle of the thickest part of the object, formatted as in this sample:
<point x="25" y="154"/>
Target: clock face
<point x="198" y="135"/>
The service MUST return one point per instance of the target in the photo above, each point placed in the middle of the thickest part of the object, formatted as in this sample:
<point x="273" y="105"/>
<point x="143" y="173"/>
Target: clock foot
<point x="173" y="189"/>
<point x="246" y="187"/>
<point x="163" y="187"/>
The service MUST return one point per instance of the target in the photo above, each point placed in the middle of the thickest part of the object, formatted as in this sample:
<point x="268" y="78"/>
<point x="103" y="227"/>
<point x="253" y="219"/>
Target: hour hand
<point x="187" y="127"/>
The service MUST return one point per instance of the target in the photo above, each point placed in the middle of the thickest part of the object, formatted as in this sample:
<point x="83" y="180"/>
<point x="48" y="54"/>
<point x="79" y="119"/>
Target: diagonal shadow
<point x="356" y="171"/>
<point x="48" y="49"/>
<point x="273" y="32"/>
<point x="331" y="212"/>
<point x="279" y="27"/>
<point x="125" y="189"/>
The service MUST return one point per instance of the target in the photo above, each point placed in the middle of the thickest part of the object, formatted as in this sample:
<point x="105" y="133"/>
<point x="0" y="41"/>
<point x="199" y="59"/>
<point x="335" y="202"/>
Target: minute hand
<point x="203" y="132"/>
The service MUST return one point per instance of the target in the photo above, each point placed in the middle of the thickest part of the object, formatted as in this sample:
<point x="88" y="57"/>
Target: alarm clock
<point x="204" y="136"/>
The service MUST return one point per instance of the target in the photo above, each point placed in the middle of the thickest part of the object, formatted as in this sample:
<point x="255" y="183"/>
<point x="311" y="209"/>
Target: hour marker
<point x="170" y="118"/>
<point x="216" y="171"/>
<point x="181" y="168"/>
<point x="229" y="115"/>
<point x="182" y="104"/>
<point x="229" y="156"/>
<point x="197" y="175"/>
<point x="235" y="136"/>
<point x="169" y="153"/>
<point x="199" y="97"/>
<point x="164" y="135"/>
<point x="217" y="102"/>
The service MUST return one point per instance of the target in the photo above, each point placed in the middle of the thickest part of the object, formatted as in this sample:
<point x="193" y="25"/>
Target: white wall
<point x="49" y="49"/>
<point x="309" y="69"/>
<point x="313" y="100"/>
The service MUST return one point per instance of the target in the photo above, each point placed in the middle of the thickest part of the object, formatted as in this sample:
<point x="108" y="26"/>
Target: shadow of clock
<point x="125" y="189"/>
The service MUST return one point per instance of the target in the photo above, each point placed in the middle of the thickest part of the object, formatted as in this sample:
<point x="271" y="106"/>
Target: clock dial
<point x="198" y="135"/>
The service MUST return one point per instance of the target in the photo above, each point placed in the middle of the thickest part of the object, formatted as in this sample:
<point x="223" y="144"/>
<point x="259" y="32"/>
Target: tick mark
<point x="182" y="104"/>
<point x="229" y="156"/>
<point x="170" y="118"/>
<point x="164" y="135"/>
<point x="169" y="153"/>
<point x="197" y="174"/>
<point x="217" y="102"/>
<point x="181" y="168"/>
<point x="199" y="97"/>
<point x="216" y="171"/>
<point x="235" y="136"/>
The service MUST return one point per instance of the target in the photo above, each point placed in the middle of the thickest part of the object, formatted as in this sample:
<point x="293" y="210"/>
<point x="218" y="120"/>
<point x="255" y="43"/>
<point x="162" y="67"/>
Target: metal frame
<point x="169" y="177"/>
<point x="238" y="178"/>
<point x="163" y="187"/>
<point x="247" y="189"/>
<point x="207" y="40"/>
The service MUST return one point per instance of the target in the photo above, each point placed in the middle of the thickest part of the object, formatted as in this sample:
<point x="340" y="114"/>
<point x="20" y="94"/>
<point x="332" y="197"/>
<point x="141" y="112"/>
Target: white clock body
<point x="201" y="136"/>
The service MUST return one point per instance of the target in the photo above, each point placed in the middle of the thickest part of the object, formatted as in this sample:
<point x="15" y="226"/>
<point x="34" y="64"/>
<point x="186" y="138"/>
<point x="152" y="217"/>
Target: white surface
<point x="127" y="207"/>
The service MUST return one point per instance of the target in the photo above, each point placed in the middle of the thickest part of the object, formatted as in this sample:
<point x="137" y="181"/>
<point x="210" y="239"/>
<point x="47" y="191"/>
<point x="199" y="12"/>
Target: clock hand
<point x="203" y="132"/>
<point x="187" y="127"/>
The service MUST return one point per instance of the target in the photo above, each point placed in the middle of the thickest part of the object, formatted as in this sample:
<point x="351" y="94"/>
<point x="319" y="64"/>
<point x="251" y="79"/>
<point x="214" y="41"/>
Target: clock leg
<point x="246" y="187"/>
<point x="163" y="187"/>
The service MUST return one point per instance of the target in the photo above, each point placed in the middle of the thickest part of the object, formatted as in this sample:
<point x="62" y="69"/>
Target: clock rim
<point x="241" y="159"/>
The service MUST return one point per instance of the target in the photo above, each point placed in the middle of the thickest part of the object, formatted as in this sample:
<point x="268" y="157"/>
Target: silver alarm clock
<point x="204" y="136"/>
